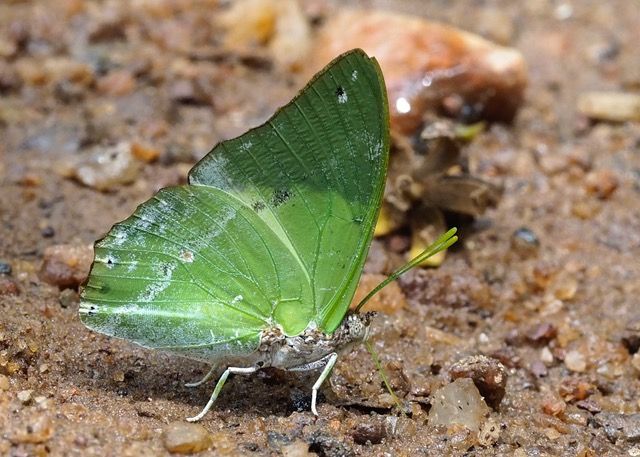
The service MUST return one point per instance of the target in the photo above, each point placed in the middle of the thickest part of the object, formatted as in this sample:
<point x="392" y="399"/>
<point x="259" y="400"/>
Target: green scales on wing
<point x="272" y="230"/>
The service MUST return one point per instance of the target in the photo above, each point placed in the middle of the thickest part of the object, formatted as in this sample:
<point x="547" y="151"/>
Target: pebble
<point x="389" y="300"/>
<point x="117" y="83"/>
<point x="635" y="361"/>
<point x="278" y="24"/>
<point x="48" y="232"/>
<point x="488" y="374"/>
<point x="422" y="61"/>
<point x="321" y="443"/>
<point x="525" y="241"/>
<point x="489" y="433"/>
<point x="66" y="265"/>
<point x="68" y="297"/>
<point x="5" y="268"/>
<point x="4" y="383"/>
<point x="575" y="361"/>
<point x="459" y="402"/>
<point x="8" y="286"/>
<point x="36" y="431"/>
<point x="610" y="106"/>
<point x="620" y="426"/>
<point x="297" y="449"/>
<point x="542" y="333"/>
<point x="105" y="168"/>
<point x="145" y="153"/>
<point x="601" y="183"/>
<point x="186" y="438"/>
<point x="371" y="432"/>
<point x="25" y="396"/>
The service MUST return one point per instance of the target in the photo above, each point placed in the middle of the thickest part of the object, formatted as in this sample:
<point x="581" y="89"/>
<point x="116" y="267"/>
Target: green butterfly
<point x="254" y="263"/>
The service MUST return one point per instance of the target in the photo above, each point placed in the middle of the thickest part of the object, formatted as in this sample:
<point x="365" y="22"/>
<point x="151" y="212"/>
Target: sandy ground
<point x="547" y="282"/>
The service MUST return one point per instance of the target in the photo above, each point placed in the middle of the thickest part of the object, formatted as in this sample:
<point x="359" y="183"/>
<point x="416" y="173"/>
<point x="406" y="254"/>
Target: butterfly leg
<point x="328" y="362"/>
<point x="208" y="376"/>
<point x="218" y="388"/>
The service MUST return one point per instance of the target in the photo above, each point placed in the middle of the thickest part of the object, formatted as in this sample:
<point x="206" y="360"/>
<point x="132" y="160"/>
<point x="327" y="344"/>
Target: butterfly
<point x="255" y="261"/>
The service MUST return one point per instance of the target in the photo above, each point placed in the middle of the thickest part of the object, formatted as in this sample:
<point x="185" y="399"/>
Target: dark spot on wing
<point x="109" y="262"/>
<point x="166" y="268"/>
<point x="258" y="206"/>
<point x="280" y="196"/>
<point x="340" y="91"/>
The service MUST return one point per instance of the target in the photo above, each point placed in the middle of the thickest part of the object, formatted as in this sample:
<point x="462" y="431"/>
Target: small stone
<point x="421" y="61"/>
<point x="48" y="232"/>
<point x="43" y="368"/>
<point x="25" y="396"/>
<point x="117" y="83"/>
<point x="539" y="369"/>
<point x="106" y="168"/>
<point x="566" y="289"/>
<point x="38" y="431"/>
<point x="321" y="443"/>
<point x="186" y="438"/>
<point x="546" y="356"/>
<point x="389" y="300"/>
<point x="575" y="361"/>
<point x="118" y="376"/>
<point x="488" y="374"/>
<point x="635" y="361"/>
<point x="589" y="405"/>
<point x="4" y="383"/>
<point x="145" y="153"/>
<point x="617" y="426"/>
<point x="610" y="106"/>
<point x="5" y="268"/>
<point x="554" y="406"/>
<point x="542" y="333"/>
<point x="68" y="297"/>
<point x="296" y="449"/>
<point x="372" y="432"/>
<point x="572" y="389"/>
<point x="489" y="433"/>
<point x="66" y="265"/>
<point x="8" y="286"/>
<point x="601" y="183"/>
<point x="458" y="403"/>
<point x="585" y="209"/>
<point x="525" y="241"/>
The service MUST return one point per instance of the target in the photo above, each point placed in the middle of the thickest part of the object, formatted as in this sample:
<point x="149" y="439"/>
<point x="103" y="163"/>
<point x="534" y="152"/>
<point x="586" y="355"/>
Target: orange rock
<point x="66" y="265"/>
<point x="389" y="300"/>
<point x="117" y="83"/>
<point x="427" y="65"/>
<point x="145" y="153"/>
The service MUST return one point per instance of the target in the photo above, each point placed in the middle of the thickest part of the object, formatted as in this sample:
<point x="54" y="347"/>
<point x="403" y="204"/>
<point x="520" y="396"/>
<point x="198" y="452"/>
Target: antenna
<point x="442" y="243"/>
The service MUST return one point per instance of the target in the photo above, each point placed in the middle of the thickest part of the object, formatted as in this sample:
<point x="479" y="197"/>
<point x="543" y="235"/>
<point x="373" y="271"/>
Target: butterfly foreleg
<point x="206" y="377"/>
<point x="218" y="388"/>
<point x="327" y="362"/>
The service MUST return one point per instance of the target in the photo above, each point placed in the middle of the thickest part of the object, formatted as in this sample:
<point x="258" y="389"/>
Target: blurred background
<point x="518" y="121"/>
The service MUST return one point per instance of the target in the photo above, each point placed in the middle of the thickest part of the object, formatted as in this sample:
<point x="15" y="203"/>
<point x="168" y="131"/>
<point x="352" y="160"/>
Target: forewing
<point x="314" y="173"/>
<point x="194" y="271"/>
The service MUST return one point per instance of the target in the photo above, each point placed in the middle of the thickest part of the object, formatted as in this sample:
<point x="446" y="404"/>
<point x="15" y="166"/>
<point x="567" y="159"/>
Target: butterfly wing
<point x="314" y="174"/>
<point x="193" y="271"/>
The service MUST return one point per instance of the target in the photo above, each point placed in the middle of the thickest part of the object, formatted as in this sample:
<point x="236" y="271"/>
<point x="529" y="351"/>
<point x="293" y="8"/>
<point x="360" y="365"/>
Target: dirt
<point x="547" y="282"/>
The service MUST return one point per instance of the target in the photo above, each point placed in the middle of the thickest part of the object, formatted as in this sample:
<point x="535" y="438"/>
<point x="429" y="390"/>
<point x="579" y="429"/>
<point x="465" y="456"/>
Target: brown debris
<point x="66" y="265"/>
<point x="429" y="66"/>
<point x="186" y="438"/>
<point x="389" y="300"/>
<point x="489" y="376"/>
<point x="369" y="432"/>
<point x="601" y="183"/>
